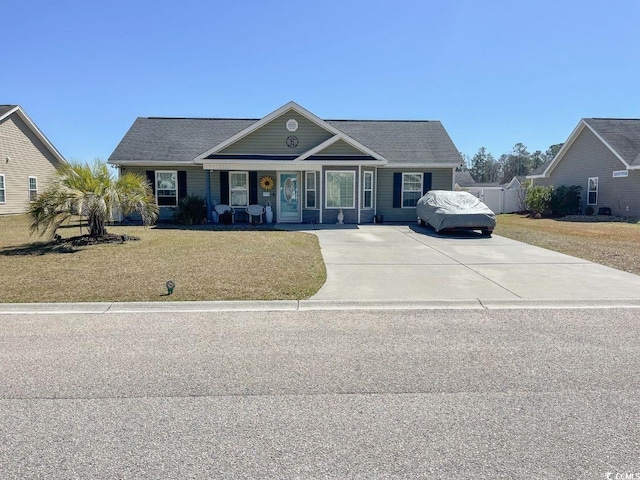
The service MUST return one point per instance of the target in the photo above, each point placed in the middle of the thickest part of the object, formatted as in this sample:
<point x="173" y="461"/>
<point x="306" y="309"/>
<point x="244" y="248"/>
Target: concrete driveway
<point x="399" y="262"/>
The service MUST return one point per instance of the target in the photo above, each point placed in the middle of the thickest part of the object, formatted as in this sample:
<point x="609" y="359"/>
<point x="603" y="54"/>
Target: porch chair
<point x="255" y="211"/>
<point x="221" y="208"/>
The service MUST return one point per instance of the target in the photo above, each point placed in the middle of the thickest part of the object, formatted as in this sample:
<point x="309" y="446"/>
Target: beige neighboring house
<point x="28" y="160"/>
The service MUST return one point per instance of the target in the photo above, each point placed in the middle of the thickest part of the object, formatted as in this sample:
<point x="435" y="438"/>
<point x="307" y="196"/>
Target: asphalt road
<point x="361" y="394"/>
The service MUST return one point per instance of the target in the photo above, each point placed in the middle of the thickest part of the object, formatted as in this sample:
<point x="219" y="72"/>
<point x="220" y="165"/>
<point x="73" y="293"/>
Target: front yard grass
<point x="204" y="264"/>
<point x="612" y="243"/>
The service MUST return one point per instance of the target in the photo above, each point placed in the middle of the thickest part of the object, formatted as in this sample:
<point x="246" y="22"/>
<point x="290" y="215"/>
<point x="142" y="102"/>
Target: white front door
<point x="289" y="201"/>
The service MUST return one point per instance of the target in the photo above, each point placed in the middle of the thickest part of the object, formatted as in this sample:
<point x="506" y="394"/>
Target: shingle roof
<point x="183" y="139"/>
<point x="541" y="169"/>
<point x="174" y="139"/>
<point x="403" y="141"/>
<point x="464" y="179"/>
<point x="622" y="134"/>
<point x="5" y="108"/>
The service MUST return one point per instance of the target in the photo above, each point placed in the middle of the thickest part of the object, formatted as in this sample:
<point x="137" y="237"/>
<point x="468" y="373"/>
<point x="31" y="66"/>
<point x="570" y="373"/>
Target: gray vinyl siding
<point x="28" y="156"/>
<point x="271" y="138"/>
<point x="195" y="184"/>
<point x="589" y="157"/>
<point x="441" y="179"/>
<point x="340" y="148"/>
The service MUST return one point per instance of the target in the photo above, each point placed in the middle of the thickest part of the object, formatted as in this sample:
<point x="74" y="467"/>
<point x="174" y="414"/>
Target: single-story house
<point x="602" y="155"/>
<point x="463" y="180"/>
<point x="27" y="160"/>
<point x="305" y="168"/>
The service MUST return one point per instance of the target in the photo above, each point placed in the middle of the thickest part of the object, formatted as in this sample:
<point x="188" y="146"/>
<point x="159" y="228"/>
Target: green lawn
<point x="204" y="264"/>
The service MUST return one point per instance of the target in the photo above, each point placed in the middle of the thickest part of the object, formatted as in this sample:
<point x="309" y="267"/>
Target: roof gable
<point x="621" y="136"/>
<point x="291" y="110"/>
<point x="7" y="110"/>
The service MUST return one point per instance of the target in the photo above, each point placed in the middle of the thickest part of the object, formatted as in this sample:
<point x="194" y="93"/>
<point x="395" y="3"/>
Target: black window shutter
<point x="224" y="187"/>
<point x="253" y="188"/>
<point x="426" y="182"/>
<point x="397" y="190"/>
<point x="151" y="178"/>
<point x="182" y="184"/>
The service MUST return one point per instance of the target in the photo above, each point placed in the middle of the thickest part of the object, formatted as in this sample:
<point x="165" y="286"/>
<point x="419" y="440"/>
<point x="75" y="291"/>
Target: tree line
<point x="485" y="168"/>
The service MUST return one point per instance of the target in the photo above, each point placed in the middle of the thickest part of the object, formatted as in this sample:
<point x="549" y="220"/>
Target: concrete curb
<point x="310" y="305"/>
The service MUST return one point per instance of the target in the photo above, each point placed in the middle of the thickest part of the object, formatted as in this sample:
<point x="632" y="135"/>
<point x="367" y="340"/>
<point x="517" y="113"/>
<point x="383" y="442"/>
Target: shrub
<point x="539" y="199"/>
<point x="565" y="200"/>
<point x="588" y="211"/>
<point x="192" y="210"/>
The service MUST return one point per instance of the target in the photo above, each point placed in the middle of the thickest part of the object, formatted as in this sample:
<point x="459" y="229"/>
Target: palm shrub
<point x="192" y="210"/>
<point x="92" y="192"/>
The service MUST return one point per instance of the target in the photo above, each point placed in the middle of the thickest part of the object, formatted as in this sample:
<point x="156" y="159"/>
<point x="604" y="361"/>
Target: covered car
<point x="447" y="210"/>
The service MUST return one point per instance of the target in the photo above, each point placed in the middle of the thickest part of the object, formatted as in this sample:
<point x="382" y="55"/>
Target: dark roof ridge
<point x="374" y="120"/>
<point x="200" y="118"/>
<point x="610" y="118"/>
<point x="257" y="119"/>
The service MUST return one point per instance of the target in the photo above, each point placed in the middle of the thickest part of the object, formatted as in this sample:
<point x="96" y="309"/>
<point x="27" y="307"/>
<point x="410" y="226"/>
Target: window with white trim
<point x="2" y="190"/>
<point x="33" y="189"/>
<point x="310" y="190"/>
<point x="340" y="189"/>
<point x="367" y="189"/>
<point x="167" y="188"/>
<point x="592" y="191"/>
<point x="411" y="189"/>
<point x="239" y="189"/>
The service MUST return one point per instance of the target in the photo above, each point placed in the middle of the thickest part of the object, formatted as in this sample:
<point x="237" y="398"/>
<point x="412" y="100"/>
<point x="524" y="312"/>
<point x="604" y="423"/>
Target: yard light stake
<point x="170" y="286"/>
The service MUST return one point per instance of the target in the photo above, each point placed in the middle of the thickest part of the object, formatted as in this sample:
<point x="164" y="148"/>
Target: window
<point x="310" y="192"/>
<point x="592" y="191"/>
<point x="340" y="188"/>
<point x="33" y="189"/>
<point x="239" y="189"/>
<point x="411" y="189"/>
<point x="367" y="190"/>
<point x="167" y="188"/>
<point x="2" y="192"/>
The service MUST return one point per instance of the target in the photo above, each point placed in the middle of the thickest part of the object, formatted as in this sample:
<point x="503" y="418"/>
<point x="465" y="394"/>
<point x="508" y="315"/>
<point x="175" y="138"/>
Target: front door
<point x="289" y="208"/>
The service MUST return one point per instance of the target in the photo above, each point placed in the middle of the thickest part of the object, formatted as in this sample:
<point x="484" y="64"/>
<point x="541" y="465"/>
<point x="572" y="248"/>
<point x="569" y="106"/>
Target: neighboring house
<point x="463" y="180"/>
<point x="306" y="168"/>
<point x="602" y="156"/>
<point x="27" y="160"/>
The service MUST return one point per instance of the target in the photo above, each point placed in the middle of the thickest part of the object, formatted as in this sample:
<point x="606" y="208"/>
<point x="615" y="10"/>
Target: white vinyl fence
<point x="500" y="200"/>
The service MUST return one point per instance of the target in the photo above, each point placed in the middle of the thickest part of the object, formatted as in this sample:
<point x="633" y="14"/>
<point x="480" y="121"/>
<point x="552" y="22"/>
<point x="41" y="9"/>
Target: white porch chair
<point x="223" y="208"/>
<point x="255" y="211"/>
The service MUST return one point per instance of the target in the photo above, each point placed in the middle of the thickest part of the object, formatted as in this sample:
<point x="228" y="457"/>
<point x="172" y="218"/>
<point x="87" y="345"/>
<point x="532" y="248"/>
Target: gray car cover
<point x="446" y="209"/>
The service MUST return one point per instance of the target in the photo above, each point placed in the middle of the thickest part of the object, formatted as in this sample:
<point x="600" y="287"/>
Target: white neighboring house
<point x="28" y="160"/>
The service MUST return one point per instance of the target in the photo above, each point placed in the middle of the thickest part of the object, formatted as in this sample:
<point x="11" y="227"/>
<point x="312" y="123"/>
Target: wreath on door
<point x="266" y="183"/>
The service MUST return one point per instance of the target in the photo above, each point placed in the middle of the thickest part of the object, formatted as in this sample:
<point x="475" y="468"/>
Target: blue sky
<point x="494" y="72"/>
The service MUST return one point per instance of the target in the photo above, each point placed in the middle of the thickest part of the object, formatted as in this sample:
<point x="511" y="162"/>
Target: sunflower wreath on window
<point x="266" y="183"/>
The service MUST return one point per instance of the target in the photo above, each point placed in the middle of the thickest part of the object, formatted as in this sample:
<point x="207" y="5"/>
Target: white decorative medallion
<point x="292" y="125"/>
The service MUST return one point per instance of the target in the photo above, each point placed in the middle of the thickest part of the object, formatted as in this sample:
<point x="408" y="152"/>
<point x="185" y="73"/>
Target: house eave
<point x="421" y="165"/>
<point x="149" y="163"/>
